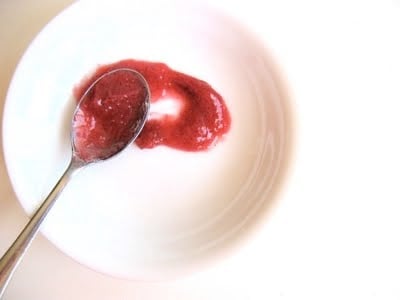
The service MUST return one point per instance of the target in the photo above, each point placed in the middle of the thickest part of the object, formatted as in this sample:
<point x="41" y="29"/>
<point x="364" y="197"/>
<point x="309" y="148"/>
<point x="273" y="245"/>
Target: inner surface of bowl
<point x="153" y="213"/>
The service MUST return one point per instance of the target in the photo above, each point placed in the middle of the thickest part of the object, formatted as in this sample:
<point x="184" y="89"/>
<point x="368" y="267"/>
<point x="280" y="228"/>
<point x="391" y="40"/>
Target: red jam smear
<point x="109" y="115"/>
<point x="201" y="120"/>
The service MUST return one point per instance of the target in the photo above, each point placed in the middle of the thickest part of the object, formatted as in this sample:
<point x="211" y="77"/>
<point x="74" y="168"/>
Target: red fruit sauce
<point x="109" y="115"/>
<point x="200" y="119"/>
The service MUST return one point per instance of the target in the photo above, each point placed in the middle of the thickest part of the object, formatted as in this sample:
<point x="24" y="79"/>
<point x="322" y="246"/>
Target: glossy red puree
<point x="201" y="119"/>
<point x="109" y="115"/>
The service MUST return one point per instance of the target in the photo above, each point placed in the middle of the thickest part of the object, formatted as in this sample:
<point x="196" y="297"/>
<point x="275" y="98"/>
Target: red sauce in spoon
<point x="109" y="115"/>
<point x="200" y="119"/>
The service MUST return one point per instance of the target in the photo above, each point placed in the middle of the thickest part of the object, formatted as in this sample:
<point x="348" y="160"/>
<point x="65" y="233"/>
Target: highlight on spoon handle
<point x="14" y="254"/>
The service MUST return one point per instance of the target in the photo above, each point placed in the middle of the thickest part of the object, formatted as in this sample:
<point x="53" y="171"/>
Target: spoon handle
<point x="14" y="254"/>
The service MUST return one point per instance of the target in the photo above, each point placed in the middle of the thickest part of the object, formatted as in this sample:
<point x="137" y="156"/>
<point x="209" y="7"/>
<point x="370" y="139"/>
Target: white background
<point x="335" y="232"/>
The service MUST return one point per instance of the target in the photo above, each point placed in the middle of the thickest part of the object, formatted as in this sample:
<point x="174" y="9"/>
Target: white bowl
<point x="148" y="214"/>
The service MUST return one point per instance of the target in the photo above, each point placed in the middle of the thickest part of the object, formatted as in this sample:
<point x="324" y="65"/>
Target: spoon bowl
<point x="109" y="116"/>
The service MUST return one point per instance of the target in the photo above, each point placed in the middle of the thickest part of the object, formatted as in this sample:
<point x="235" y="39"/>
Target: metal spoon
<point x="79" y="159"/>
